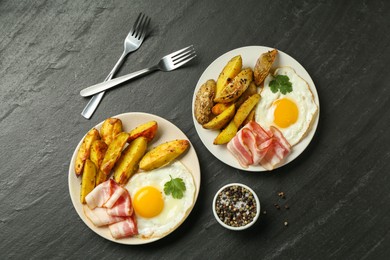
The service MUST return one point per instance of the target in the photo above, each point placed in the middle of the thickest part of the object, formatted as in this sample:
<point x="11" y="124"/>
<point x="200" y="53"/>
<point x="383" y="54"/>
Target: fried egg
<point x="158" y="214"/>
<point x="291" y="113"/>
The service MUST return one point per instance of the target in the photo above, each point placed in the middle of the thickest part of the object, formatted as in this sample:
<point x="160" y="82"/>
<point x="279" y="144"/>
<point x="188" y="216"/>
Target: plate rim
<point x="75" y="199"/>
<point x="300" y="147"/>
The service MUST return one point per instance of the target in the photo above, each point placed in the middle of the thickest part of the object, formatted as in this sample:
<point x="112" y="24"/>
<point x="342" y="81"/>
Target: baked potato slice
<point x="263" y="65"/>
<point x="244" y="110"/>
<point x="163" y="154"/>
<point x="85" y="150"/>
<point x="127" y="164"/>
<point x="204" y="101"/>
<point x="110" y="128"/>
<point x="219" y="108"/>
<point x="98" y="150"/>
<point x="147" y="130"/>
<point x="113" y="152"/>
<point x="222" y="119"/>
<point x="88" y="179"/>
<point x="226" y="134"/>
<point x="230" y="71"/>
<point x="250" y="117"/>
<point x="234" y="89"/>
<point x="252" y="89"/>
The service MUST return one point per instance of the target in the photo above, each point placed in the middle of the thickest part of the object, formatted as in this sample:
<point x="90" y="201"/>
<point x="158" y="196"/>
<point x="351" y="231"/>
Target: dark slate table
<point x="337" y="190"/>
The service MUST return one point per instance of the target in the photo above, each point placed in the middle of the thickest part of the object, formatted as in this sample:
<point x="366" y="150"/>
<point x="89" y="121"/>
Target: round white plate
<point x="166" y="132"/>
<point x="249" y="55"/>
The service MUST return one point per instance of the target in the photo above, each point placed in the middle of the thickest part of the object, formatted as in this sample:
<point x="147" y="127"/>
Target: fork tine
<point x="145" y="28"/>
<point x="183" y="56"/>
<point x="173" y="54"/>
<point x="139" y="25"/>
<point x="187" y="59"/>
<point x="135" y="24"/>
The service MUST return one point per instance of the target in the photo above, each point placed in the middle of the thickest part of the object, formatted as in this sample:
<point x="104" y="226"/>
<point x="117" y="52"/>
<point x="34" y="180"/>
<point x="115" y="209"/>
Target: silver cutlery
<point x="132" y="42"/>
<point x="167" y="63"/>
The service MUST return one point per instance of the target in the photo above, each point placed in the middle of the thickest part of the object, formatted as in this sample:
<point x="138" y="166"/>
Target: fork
<point x="132" y="42"/>
<point x="167" y="63"/>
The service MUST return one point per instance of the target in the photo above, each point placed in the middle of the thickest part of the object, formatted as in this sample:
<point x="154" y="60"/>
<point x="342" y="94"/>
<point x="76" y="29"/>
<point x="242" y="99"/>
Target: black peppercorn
<point x="239" y="204"/>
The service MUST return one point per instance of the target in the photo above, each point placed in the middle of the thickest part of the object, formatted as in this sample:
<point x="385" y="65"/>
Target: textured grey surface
<point x="338" y="189"/>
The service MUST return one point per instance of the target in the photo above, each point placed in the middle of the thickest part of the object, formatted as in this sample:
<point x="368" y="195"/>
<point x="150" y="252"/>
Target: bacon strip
<point x="100" y="194"/>
<point x="240" y="150"/>
<point x="122" y="207"/>
<point x="116" y="193"/>
<point x="254" y="145"/>
<point x="125" y="228"/>
<point x="110" y="204"/>
<point x="100" y="217"/>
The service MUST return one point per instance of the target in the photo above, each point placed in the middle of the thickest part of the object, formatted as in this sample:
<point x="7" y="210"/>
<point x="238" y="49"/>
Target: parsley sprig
<point x="176" y="187"/>
<point x="281" y="83"/>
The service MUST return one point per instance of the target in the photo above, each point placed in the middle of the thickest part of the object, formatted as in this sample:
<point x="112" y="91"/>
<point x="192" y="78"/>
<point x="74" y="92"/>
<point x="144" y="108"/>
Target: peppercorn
<point x="240" y="206"/>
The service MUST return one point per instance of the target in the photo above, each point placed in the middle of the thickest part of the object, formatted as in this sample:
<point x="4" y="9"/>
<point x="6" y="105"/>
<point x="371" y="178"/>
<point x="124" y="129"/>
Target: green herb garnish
<point x="176" y="187"/>
<point x="281" y="83"/>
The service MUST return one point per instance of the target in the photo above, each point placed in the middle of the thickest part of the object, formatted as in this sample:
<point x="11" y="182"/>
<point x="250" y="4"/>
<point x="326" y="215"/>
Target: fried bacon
<point x="110" y="204"/>
<point x="125" y="228"/>
<point x="253" y="145"/>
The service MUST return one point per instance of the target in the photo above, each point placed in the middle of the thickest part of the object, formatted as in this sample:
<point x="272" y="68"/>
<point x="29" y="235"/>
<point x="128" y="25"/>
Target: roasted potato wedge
<point x="88" y="179"/>
<point x="98" y="150"/>
<point x="204" y="102"/>
<point x="250" y="117"/>
<point x="219" y="108"/>
<point x="127" y="164"/>
<point x="113" y="152"/>
<point x="110" y="128"/>
<point x="244" y="110"/>
<point x="147" y="130"/>
<point x="252" y="89"/>
<point x="263" y="66"/>
<point x="84" y="150"/>
<point x="163" y="154"/>
<point x="222" y="119"/>
<point x="226" y="134"/>
<point x="230" y="71"/>
<point x="234" y="89"/>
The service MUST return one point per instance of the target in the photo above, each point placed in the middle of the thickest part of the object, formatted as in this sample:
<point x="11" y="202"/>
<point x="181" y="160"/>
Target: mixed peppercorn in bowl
<point x="236" y="206"/>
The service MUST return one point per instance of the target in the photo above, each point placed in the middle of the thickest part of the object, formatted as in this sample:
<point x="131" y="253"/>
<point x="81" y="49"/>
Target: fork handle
<point x="95" y="100"/>
<point x="114" y="82"/>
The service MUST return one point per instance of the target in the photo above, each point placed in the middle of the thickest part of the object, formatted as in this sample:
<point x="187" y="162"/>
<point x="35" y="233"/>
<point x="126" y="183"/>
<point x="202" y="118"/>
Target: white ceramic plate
<point x="166" y="132"/>
<point x="249" y="55"/>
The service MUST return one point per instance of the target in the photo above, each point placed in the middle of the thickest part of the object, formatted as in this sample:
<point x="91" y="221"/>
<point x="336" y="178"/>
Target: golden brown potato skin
<point x="113" y="153"/>
<point x="226" y="134"/>
<point x="234" y="90"/>
<point x="98" y="150"/>
<point x="250" y="117"/>
<point x="228" y="73"/>
<point x="244" y="110"/>
<point x="88" y="179"/>
<point x="110" y="128"/>
<point x="219" y="108"/>
<point x="263" y="65"/>
<point x="163" y="154"/>
<point x="127" y="164"/>
<point x="204" y="101"/>
<point x="147" y="130"/>
<point x="84" y="150"/>
<point x="252" y="89"/>
<point x="222" y="119"/>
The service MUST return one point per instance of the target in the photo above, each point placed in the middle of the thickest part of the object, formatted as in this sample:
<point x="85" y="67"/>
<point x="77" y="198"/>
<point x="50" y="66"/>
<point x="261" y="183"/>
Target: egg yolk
<point x="286" y="112"/>
<point x="148" y="202"/>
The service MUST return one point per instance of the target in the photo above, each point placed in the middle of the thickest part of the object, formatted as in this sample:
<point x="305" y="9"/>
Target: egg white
<point x="300" y="95"/>
<point x="175" y="210"/>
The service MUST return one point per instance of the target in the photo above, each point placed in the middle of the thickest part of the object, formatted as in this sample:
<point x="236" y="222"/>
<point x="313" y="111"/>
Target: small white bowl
<point x="240" y="227"/>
